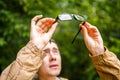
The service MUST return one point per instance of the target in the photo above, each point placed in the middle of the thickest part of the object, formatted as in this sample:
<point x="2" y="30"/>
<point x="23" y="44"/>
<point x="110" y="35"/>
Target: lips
<point x="53" y="66"/>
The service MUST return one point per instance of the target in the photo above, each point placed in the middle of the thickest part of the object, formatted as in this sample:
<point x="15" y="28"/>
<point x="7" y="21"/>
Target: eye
<point x="55" y="50"/>
<point x="46" y="51"/>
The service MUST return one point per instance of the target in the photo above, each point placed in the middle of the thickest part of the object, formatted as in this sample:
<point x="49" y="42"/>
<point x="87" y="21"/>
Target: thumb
<point x="34" y="20"/>
<point x="52" y="29"/>
<point x="84" y="31"/>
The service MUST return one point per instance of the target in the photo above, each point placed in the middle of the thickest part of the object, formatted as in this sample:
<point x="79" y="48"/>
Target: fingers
<point x="84" y="31"/>
<point x="87" y="26"/>
<point x="45" y="23"/>
<point x="35" y="19"/>
<point x="52" y="29"/>
<point x="89" y="30"/>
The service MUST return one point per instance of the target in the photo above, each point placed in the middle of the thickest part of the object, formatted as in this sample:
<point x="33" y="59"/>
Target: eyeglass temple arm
<point x="56" y="19"/>
<point x="77" y="33"/>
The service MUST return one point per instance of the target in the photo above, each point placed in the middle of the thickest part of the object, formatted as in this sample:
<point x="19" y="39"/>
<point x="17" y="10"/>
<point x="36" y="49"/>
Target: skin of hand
<point x="92" y="39"/>
<point x="42" y="30"/>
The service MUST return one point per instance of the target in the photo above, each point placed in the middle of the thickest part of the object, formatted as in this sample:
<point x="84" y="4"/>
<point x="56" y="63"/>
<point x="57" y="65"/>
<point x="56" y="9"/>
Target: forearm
<point x="25" y="66"/>
<point x="107" y="65"/>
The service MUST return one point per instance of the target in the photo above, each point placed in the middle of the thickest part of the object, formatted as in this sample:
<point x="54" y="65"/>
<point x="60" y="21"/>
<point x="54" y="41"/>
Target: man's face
<point x="51" y="65"/>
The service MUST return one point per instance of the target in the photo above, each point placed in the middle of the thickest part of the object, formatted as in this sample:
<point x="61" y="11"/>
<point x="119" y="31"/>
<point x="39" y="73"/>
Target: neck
<point x="47" y="78"/>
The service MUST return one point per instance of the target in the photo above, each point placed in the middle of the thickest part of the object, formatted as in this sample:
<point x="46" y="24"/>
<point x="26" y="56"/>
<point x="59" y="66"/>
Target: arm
<point x="107" y="65"/>
<point x="30" y="57"/>
<point x="105" y="62"/>
<point x="28" y="61"/>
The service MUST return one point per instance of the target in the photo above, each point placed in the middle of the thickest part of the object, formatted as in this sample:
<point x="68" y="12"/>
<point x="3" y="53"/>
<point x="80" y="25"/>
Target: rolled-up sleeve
<point x="107" y="65"/>
<point x="27" y="63"/>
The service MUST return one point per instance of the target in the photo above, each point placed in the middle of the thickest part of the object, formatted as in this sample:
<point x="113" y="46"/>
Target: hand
<point x="42" y="30"/>
<point x="92" y="38"/>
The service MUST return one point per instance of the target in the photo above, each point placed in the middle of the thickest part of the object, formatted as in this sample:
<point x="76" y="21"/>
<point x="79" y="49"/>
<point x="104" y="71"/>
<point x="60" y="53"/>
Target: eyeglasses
<point x="67" y="17"/>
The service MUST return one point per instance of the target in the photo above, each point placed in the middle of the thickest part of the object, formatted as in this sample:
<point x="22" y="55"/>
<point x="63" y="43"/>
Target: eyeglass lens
<point x="63" y="17"/>
<point x="79" y="18"/>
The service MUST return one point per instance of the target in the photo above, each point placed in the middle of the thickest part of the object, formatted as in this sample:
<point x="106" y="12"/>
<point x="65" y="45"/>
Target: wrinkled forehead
<point x="51" y="45"/>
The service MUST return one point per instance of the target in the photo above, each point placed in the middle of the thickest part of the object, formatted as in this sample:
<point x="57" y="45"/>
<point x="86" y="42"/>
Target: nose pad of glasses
<point x="64" y="17"/>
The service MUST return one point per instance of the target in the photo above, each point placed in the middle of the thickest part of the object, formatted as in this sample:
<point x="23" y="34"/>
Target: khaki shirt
<point x="107" y="65"/>
<point x="29" y="59"/>
<point x="26" y="65"/>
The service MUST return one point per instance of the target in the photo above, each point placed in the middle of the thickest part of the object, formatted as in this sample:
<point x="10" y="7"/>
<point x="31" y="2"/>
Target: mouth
<point x="54" y="66"/>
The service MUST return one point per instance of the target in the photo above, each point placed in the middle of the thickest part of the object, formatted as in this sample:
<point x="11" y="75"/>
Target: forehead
<point x="51" y="45"/>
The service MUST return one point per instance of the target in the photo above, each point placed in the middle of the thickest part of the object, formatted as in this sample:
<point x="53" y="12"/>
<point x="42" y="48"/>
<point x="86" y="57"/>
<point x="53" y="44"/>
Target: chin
<point x="55" y="73"/>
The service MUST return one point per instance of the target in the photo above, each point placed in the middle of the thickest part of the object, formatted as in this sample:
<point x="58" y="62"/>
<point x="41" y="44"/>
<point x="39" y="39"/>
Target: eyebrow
<point x="55" y="48"/>
<point x="52" y="48"/>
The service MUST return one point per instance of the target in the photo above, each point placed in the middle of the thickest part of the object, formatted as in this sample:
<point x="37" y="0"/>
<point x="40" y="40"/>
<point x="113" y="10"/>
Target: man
<point x="51" y="65"/>
<point x="41" y="55"/>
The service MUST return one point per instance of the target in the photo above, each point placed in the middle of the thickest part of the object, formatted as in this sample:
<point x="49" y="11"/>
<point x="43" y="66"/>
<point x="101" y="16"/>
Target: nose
<point x="52" y="56"/>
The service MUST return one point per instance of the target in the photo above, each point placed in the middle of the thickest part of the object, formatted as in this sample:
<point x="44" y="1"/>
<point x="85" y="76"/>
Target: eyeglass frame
<point x="76" y="17"/>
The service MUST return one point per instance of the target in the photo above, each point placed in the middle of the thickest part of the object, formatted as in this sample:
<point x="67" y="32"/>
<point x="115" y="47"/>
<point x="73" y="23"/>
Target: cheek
<point x="44" y="67"/>
<point x="59" y="59"/>
<point x="45" y="62"/>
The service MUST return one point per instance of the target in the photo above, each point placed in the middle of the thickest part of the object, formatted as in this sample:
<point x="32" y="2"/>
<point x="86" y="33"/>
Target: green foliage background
<point x="16" y="15"/>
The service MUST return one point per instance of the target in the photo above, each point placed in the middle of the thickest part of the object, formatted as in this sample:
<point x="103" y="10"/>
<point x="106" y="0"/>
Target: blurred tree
<point x="15" y="26"/>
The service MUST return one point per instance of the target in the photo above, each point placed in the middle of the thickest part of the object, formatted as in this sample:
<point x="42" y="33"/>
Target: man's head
<point x="51" y="65"/>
